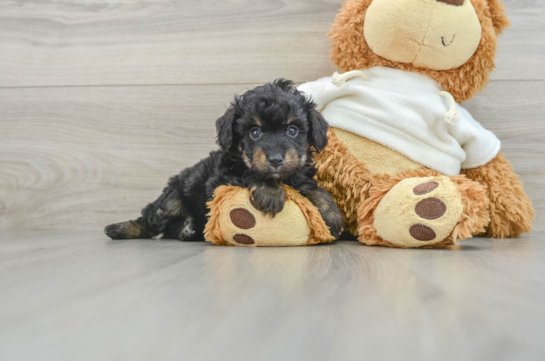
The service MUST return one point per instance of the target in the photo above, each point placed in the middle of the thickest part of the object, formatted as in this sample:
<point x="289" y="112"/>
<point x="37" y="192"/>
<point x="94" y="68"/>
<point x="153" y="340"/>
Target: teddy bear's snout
<point x="431" y="34"/>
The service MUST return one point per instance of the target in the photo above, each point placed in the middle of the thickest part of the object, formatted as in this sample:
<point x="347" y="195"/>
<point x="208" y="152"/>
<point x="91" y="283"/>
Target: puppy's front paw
<point x="268" y="200"/>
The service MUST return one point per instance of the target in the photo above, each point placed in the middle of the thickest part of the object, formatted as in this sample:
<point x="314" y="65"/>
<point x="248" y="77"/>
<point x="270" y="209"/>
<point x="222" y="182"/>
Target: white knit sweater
<point x="403" y="111"/>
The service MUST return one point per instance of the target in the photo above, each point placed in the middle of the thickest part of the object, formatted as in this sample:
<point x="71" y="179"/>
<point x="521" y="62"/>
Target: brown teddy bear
<point x="406" y="164"/>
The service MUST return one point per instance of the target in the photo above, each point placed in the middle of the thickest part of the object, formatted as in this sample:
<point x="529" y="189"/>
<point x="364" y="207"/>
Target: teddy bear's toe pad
<point x="425" y="188"/>
<point x="421" y="232"/>
<point x="242" y="218"/>
<point x="431" y="208"/>
<point x="419" y="211"/>
<point x="243" y="239"/>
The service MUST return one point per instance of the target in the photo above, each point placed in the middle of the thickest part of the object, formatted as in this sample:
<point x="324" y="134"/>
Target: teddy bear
<point x="407" y="165"/>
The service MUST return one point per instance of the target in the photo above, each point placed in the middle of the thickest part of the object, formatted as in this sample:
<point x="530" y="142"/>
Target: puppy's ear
<point x="318" y="130"/>
<point x="224" y="128"/>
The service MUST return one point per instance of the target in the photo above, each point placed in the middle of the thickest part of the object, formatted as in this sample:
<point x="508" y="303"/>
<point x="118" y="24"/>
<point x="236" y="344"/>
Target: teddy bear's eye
<point x="255" y="133"/>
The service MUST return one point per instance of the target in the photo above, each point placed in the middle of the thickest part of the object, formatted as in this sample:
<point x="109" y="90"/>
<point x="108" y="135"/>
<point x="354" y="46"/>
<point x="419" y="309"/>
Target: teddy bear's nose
<point x="453" y="2"/>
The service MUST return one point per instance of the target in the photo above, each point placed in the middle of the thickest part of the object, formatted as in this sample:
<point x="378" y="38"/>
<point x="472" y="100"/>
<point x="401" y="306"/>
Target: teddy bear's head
<point x="451" y="41"/>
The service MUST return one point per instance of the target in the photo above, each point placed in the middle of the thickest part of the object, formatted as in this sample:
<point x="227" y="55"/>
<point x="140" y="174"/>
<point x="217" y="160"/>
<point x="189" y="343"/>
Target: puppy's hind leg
<point x="155" y="217"/>
<point x="186" y="229"/>
<point x="127" y="230"/>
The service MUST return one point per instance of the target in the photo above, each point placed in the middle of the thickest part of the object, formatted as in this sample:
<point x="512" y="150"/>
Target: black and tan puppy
<point x="267" y="138"/>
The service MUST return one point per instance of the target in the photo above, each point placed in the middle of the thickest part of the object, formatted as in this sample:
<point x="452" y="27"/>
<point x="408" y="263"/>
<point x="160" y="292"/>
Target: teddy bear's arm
<point x="345" y="178"/>
<point x="511" y="211"/>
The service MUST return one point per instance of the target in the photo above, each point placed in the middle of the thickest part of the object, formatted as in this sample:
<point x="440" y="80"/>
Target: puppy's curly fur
<point x="267" y="138"/>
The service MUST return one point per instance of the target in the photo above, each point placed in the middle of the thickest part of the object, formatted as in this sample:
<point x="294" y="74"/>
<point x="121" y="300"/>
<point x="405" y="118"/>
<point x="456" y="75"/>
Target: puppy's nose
<point x="275" y="160"/>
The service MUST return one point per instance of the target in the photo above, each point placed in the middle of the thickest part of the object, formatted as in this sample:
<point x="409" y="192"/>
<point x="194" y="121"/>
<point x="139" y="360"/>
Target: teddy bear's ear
<point x="499" y="15"/>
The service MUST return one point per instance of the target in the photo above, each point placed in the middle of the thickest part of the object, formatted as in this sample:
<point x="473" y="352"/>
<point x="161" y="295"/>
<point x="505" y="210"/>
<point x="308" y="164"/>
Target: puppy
<point x="267" y="138"/>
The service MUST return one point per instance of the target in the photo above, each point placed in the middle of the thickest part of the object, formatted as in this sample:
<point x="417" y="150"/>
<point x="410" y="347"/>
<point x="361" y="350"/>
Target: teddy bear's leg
<point x="234" y="221"/>
<point x="429" y="212"/>
<point x="345" y="178"/>
<point x="511" y="211"/>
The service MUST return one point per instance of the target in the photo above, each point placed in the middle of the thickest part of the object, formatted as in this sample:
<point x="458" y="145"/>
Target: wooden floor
<point x="102" y="100"/>
<point x="77" y="296"/>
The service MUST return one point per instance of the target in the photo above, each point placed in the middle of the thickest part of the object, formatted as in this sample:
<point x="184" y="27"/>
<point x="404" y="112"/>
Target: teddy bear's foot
<point x="427" y="212"/>
<point x="234" y="221"/>
<point x="419" y="211"/>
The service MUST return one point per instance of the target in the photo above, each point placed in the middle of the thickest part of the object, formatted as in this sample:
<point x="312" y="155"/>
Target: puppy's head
<point x="273" y="128"/>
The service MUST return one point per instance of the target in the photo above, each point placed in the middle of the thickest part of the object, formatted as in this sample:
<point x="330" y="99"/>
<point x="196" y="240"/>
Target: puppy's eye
<point x="255" y="133"/>
<point x="293" y="131"/>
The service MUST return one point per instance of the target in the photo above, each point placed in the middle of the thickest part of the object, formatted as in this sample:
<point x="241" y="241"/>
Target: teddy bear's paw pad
<point x="422" y="233"/>
<point x="242" y="218"/>
<point x="419" y="211"/>
<point x="425" y="188"/>
<point x="431" y="208"/>
<point x="243" y="239"/>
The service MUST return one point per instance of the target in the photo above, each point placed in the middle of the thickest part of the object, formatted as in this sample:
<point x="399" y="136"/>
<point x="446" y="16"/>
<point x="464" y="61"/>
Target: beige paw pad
<point x="419" y="211"/>
<point x="235" y="221"/>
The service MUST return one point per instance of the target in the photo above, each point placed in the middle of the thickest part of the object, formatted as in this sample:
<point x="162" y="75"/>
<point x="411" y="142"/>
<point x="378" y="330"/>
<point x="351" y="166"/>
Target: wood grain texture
<point x="83" y="157"/>
<point x="123" y="42"/>
<point x="163" y="42"/>
<point x="76" y="296"/>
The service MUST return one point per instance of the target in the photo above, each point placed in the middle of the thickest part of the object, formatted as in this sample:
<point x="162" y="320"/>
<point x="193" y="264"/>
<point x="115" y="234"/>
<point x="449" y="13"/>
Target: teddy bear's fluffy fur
<point x="511" y="211"/>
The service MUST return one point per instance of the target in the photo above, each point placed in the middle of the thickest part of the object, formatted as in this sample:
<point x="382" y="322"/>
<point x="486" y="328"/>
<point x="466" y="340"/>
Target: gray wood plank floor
<point x="77" y="296"/>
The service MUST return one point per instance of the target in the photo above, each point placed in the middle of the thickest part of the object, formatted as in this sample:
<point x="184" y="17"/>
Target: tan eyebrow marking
<point x="290" y="120"/>
<point x="258" y="121"/>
